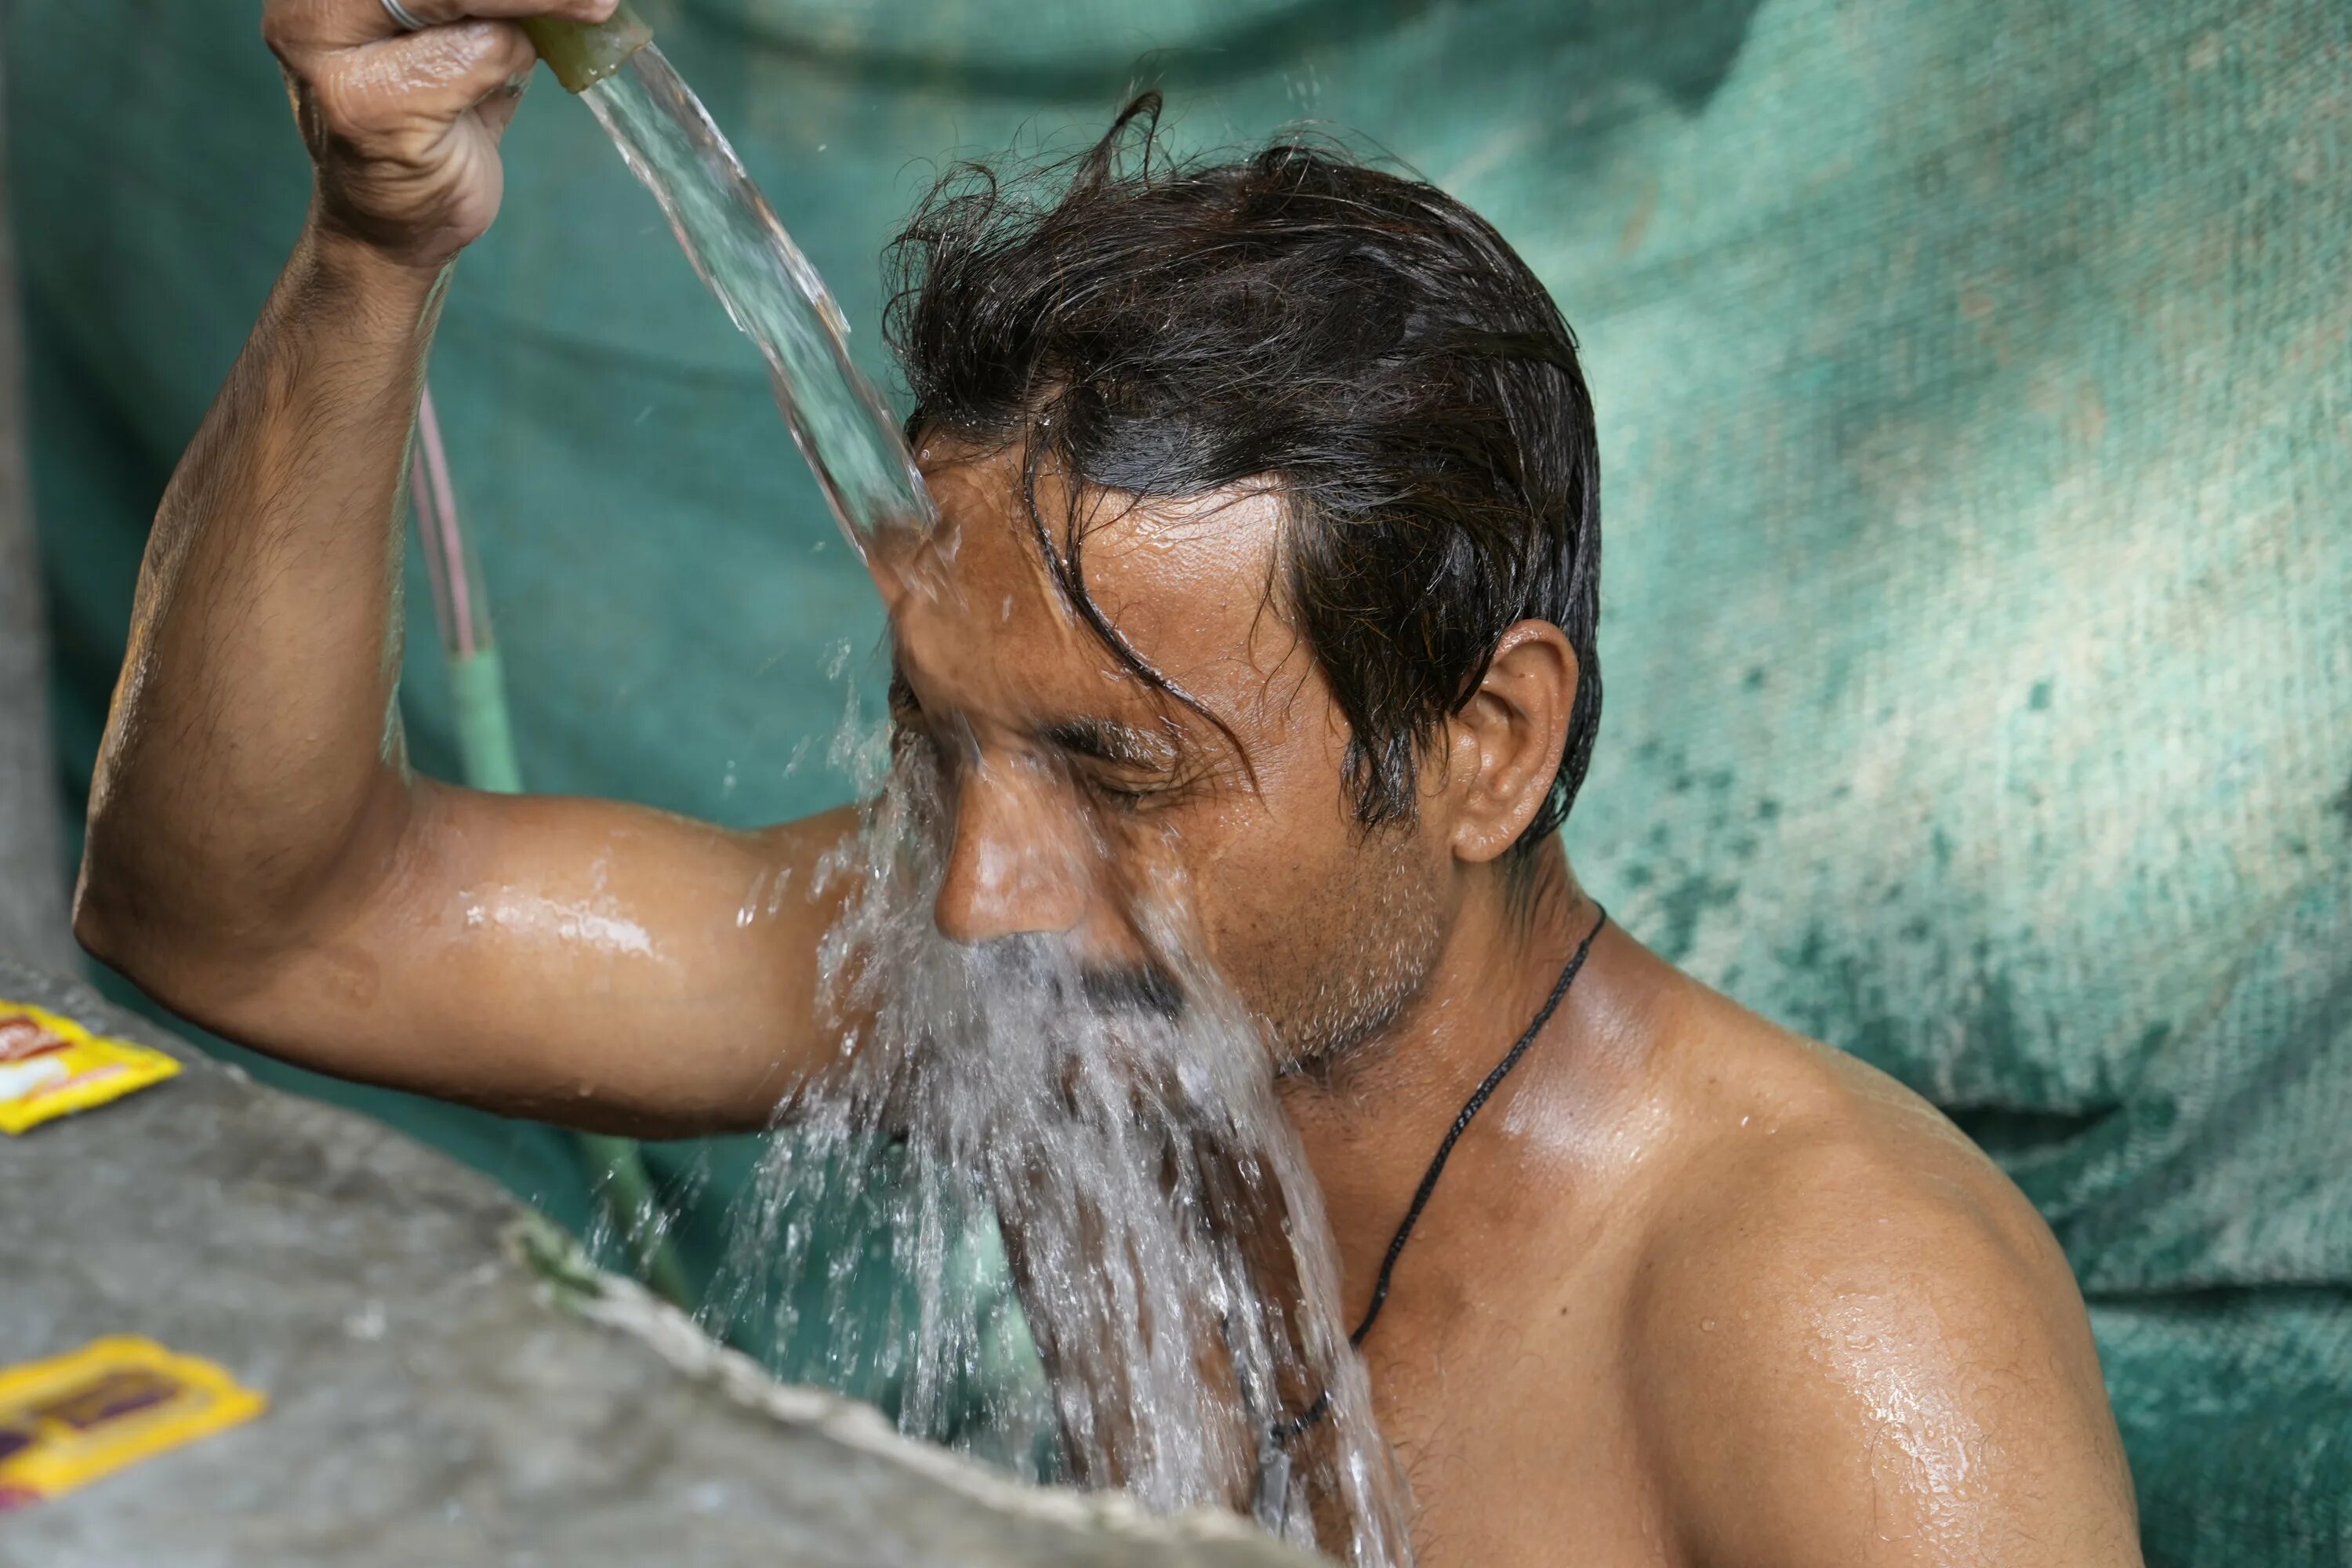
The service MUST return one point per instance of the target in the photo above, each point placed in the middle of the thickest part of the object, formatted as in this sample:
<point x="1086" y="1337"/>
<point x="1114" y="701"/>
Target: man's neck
<point x="1372" y="1122"/>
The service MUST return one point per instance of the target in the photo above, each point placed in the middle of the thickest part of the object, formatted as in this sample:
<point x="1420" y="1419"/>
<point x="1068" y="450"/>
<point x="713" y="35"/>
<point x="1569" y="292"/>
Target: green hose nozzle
<point x="580" y="55"/>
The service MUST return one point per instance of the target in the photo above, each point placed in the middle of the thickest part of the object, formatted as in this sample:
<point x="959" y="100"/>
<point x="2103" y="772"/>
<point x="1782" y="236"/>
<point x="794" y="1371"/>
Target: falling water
<point x="771" y="292"/>
<point x="1119" y="1133"/>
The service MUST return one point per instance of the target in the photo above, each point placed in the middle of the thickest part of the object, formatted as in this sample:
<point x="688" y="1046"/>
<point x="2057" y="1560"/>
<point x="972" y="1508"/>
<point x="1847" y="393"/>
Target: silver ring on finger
<point x="406" y="20"/>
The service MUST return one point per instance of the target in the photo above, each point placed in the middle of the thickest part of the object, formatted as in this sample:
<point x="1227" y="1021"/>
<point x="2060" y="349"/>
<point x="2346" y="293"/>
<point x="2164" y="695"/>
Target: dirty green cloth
<point x="1973" y="378"/>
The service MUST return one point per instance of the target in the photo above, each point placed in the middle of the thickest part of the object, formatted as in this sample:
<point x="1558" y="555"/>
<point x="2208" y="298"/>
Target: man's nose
<point x="1018" y="863"/>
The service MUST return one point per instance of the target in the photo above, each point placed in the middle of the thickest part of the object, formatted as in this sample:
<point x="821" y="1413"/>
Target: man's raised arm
<point x="260" y="857"/>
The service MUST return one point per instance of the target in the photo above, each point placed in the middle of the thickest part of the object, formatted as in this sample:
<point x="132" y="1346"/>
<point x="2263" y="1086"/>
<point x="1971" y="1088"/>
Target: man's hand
<point x="404" y="127"/>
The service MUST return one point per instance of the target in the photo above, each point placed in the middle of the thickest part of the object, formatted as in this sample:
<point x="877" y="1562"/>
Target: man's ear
<point x="1505" y="741"/>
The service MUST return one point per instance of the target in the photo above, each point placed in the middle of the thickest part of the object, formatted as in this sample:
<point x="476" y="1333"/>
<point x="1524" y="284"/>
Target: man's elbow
<point x="186" y="952"/>
<point x="116" y="923"/>
<point x="95" y="927"/>
<point x="192" y="916"/>
<point x="105" y="909"/>
<point x="114" y="896"/>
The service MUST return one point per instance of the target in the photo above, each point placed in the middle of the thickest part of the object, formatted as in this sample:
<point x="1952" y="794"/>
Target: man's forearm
<point x="252" y="749"/>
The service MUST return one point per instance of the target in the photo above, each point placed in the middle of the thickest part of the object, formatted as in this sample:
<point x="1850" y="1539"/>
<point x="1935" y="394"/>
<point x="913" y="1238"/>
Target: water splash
<point x="1156" y="1210"/>
<point x="771" y="293"/>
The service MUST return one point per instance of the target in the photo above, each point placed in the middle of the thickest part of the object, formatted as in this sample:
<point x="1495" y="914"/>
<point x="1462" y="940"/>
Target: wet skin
<point x="1693" y="1290"/>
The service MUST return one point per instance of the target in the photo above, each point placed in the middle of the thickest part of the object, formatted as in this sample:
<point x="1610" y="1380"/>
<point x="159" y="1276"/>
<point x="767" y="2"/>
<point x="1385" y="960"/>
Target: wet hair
<point x="1360" y="340"/>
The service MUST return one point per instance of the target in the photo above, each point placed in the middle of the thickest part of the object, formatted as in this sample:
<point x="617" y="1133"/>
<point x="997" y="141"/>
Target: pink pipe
<point x="434" y="460"/>
<point x="429" y="534"/>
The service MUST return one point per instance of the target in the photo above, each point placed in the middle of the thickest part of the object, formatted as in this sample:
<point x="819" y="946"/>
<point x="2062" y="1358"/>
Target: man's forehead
<point x="1185" y="583"/>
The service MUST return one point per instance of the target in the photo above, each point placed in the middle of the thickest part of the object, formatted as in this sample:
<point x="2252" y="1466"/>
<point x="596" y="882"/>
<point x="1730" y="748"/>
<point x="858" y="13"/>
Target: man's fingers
<point x="420" y="82"/>
<point x="298" y="26"/>
<point x="497" y="111"/>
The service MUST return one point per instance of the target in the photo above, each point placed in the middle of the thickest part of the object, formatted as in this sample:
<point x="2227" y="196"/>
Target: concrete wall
<point x="32" y="890"/>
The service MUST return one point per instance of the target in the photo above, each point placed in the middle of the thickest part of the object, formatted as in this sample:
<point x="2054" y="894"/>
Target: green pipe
<point x="486" y="751"/>
<point x="580" y="55"/>
<point x="628" y="1193"/>
<point x="486" y="747"/>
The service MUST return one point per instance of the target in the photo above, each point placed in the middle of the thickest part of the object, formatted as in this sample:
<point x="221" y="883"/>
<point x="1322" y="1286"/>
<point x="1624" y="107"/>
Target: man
<point x="1269" y="546"/>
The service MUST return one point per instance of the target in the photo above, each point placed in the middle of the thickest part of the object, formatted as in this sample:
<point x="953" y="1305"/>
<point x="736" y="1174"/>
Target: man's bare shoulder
<point x="1856" y="1342"/>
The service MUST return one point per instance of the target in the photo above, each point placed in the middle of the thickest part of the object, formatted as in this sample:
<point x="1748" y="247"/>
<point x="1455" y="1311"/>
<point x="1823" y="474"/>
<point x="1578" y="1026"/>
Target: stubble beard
<point x="1389" y="932"/>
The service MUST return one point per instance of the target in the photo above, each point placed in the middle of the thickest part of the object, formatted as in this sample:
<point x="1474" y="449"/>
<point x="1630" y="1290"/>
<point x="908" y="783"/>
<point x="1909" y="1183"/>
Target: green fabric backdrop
<point x="1973" y="377"/>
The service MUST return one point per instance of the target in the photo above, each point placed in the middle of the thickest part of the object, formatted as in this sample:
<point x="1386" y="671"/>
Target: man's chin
<point x="1328" y="1051"/>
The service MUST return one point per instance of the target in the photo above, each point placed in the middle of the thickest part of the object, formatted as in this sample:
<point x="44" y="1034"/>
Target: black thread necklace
<point x="1283" y="1431"/>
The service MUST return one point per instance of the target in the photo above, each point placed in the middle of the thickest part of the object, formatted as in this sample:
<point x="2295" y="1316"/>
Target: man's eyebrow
<point x="1109" y="740"/>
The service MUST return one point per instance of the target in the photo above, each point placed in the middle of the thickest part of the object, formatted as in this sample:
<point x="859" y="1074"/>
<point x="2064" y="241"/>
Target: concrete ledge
<point x="427" y="1405"/>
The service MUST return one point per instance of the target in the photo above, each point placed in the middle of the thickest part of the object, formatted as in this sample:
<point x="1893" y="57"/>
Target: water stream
<point x="1005" y="1112"/>
<point x="773" y="294"/>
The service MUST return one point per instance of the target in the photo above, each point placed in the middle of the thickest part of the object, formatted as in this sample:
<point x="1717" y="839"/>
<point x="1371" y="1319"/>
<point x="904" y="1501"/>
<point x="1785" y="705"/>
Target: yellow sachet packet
<point x="66" y="1421"/>
<point x="51" y="1066"/>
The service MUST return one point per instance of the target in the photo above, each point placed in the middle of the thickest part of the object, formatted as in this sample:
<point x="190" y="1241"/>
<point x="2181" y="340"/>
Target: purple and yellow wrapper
<point x="74" y="1418"/>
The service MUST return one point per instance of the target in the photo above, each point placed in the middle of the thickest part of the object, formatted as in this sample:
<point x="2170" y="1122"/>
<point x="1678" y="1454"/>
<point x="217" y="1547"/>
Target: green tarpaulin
<point x="1973" y="378"/>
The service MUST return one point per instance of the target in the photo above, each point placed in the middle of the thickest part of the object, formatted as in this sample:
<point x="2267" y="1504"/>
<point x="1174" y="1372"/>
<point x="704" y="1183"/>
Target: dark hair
<point x="1362" y="340"/>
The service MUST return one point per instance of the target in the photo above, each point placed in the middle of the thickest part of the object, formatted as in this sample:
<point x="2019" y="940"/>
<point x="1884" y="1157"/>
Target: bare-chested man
<point x="1692" y="1289"/>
